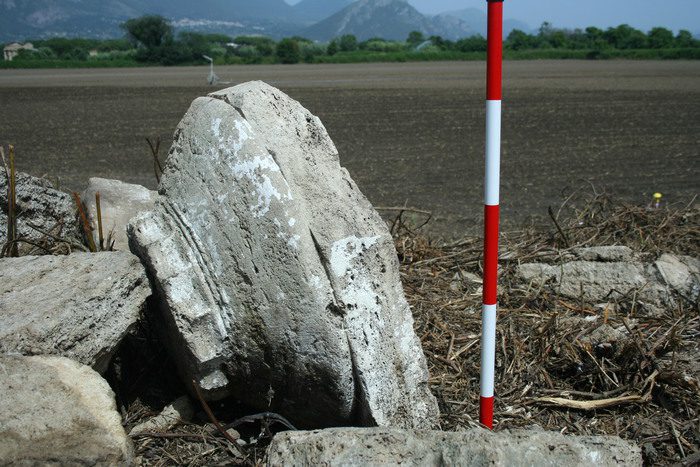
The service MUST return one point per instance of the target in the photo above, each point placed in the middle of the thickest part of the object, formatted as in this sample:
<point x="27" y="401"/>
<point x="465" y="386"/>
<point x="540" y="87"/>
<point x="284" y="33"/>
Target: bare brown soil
<point x="410" y="134"/>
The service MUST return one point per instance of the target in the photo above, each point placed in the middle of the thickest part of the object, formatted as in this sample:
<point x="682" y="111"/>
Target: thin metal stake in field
<point x="491" y="208"/>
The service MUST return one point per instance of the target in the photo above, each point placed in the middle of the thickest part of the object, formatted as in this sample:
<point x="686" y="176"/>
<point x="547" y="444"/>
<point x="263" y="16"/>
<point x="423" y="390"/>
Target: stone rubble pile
<point x="605" y="274"/>
<point x="271" y="279"/>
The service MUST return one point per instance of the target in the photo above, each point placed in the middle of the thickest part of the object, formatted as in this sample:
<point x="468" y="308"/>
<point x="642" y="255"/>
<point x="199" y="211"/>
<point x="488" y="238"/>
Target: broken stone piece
<point x="54" y="411"/>
<point x="278" y="280"/>
<point x="474" y="447"/>
<point x="119" y="203"/>
<point x="79" y="306"/>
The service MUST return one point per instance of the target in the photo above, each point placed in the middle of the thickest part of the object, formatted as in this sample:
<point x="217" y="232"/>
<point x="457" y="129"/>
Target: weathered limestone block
<point x="605" y="253"/>
<point x="119" y="203"/>
<point x="181" y="410"/>
<point x="278" y="280"/>
<point x="607" y="273"/>
<point x="681" y="274"/>
<point x="39" y="204"/>
<point x="54" y="411"/>
<point x="475" y="447"/>
<point x="78" y="306"/>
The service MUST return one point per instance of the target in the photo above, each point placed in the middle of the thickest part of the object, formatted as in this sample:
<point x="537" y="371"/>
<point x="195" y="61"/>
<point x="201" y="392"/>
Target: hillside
<point x="390" y="19"/>
<point x="311" y="11"/>
<point x="20" y="19"/>
<point x="476" y="21"/>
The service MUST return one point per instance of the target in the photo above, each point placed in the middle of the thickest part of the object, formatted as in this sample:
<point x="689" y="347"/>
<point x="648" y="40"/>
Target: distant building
<point x="10" y="51"/>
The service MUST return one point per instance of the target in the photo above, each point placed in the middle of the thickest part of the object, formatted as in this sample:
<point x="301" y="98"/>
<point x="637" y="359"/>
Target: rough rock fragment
<point x="605" y="253"/>
<point x="181" y="410"/>
<point x="54" y="411"/>
<point x="78" y="306"/>
<point x="681" y="274"/>
<point x="47" y="209"/>
<point x="475" y="447"/>
<point x="596" y="274"/>
<point x="119" y="203"/>
<point x="279" y="282"/>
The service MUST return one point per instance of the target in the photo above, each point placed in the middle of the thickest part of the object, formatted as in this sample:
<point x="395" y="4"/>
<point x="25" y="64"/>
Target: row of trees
<point x="623" y="37"/>
<point x="152" y="39"/>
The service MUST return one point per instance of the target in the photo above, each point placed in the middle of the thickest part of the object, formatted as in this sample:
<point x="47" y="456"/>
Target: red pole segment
<point x="494" y="67"/>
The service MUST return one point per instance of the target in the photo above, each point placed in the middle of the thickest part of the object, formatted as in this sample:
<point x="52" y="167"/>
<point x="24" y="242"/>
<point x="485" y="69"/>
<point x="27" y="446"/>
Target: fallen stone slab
<point x="119" y="203"/>
<point x="278" y="280"/>
<point x="475" y="447"/>
<point x="681" y="274"/>
<point x="78" y="306"/>
<point x="54" y="411"/>
<point x="595" y="281"/>
<point x="181" y="410"/>
<point x="609" y="253"/>
<point x="40" y="205"/>
<point x="604" y="274"/>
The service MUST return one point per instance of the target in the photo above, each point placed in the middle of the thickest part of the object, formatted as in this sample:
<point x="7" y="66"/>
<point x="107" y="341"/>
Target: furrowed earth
<point x="410" y="134"/>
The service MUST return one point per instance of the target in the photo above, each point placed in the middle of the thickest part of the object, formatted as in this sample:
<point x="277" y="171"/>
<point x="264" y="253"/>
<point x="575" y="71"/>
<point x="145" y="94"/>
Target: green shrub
<point x="288" y="51"/>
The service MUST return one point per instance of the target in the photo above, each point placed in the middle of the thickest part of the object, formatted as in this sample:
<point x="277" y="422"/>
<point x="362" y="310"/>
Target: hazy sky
<point x="643" y="14"/>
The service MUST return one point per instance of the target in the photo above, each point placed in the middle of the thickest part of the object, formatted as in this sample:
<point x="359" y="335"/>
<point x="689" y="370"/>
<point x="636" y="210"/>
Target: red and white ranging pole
<point x="491" y="209"/>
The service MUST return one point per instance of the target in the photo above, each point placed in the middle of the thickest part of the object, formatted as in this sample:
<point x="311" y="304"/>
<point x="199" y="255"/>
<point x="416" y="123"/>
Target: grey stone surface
<point x="603" y="274"/>
<point x="600" y="280"/>
<point x="476" y="447"/>
<point x="78" y="306"/>
<point x="278" y="280"/>
<point x="54" y="411"/>
<point x="605" y="253"/>
<point x="43" y="206"/>
<point x="119" y="203"/>
<point x="680" y="274"/>
<point x="181" y="410"/>
<point x="595" y="281"/>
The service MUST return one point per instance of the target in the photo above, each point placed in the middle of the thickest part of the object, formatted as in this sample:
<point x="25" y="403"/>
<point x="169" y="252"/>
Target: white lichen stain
<point x="294" y="241"/>
<point x="358" y="293"/>
<point x="263" y="187"/>
<point x="216" y="128"/>
<point x="315" y="282"/>
<point x="320" y="288"/>
<point x="345" y="251"/>
<point x="214" y="380"/>
<point x="292" y="221"/>
<point x="180" y="290"/>
<point x="291" y="239"/>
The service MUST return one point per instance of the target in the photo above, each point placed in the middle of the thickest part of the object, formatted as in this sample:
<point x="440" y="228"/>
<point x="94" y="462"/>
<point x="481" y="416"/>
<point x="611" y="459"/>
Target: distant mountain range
<point x="477" y="21"/>
<point x="20" y="19"/>
<point x="390" y="19"/>
<point x="316" y="19"/>
<point x="312" y="11"/>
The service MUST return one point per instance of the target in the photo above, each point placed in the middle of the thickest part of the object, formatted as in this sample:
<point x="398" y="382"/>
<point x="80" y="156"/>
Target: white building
<point x="11" y="50"/>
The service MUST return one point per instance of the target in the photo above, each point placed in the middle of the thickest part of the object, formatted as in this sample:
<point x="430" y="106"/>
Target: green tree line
<point x="152" y="40"/>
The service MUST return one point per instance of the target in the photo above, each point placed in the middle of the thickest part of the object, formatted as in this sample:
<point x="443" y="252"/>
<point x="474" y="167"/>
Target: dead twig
<point x="155" y="152"/>
<point x="87" y="229"/>
<point x="559" y="229"/>
<point x="589" y="405"/>
<point x="210" y="414"/>
<point x="12" y="250"/>
<point x="98" y="208"/>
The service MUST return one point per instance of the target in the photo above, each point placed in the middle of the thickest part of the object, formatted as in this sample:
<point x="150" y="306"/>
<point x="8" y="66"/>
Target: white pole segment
<point x="493" y="153"/>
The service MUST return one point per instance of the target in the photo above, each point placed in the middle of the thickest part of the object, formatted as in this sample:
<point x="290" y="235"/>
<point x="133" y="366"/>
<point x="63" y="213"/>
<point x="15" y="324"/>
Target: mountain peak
<point x="390" y="19"/>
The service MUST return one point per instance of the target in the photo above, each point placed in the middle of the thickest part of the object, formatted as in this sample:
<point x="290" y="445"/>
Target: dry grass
<point x="555" y="368"/>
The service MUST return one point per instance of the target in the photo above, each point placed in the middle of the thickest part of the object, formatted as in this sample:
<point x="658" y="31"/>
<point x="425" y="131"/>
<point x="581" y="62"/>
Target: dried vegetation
<point x="557" y="364"/>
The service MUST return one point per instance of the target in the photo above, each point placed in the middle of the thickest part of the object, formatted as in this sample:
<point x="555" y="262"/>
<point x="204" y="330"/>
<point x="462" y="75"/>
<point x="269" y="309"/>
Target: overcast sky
<point x="642" y="14"/>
